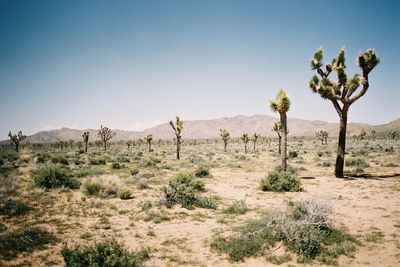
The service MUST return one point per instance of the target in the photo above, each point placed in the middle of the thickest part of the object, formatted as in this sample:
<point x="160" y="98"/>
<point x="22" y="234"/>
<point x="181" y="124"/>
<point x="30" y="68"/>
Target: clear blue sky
<point x="132" y="64"/>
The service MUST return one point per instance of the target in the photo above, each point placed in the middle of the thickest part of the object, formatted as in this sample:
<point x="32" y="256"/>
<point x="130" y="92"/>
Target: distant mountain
<point x="197" y="129"/>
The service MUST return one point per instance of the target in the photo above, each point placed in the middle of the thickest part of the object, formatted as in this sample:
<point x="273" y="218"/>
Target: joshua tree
<point x="392" y="135"/>
<point x="128" y="143"/>
<point x="373" y="134"/>
<point x="362" y="135"/>
<point x="277" y="128"/>
<point x="253" y="139"/>
<point x="282" y="106"/>
<point x="71" y="143"/>
<point x="105" y="134"/>
<point x="323" y="136"/>
<point x="149" y="139"/>
<point x="178" y="130"/>
<point x="85" y="137"/>
<point x="245" y="139"/>
<point x="16" y="139"/>
<point x="340" y="92"/>
<point x="225" y="137"/>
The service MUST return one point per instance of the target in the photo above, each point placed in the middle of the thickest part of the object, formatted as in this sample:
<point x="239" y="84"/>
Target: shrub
<point x="134" y="171"/>
<point x="202" y="171"/>
<point x="106" y="253"/>
<point x="99" y="161"/>
<point x="60" y="159"/>
<point x="92" y="187"/>
<point x="237" y="207"/>
<point x="357" y="162"/>
<point x="280" y="182"/>
<point x="50" y="178"/>
<point x="124" y="193"/>
<point x="293" y="154"/>
<point x="115" y="166"/>
<point x="12" y="208"/>
<point x="26" y="240"/>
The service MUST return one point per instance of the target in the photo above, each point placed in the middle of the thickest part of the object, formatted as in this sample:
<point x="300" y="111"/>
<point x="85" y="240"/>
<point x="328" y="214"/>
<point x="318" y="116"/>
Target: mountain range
<point x="236" y="126"/>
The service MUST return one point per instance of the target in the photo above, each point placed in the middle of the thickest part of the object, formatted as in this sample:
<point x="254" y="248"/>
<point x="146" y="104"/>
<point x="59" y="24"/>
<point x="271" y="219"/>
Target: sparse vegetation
<point x="54" y="177"/>
<point x="280" y="182"/>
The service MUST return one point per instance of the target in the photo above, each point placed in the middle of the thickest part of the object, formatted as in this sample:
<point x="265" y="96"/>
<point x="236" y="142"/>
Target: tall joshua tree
<point x="149" y="139"/>
<point x="85" y="137"/>
<point x="343" y="92"/>
<point x="253" y="139"/>
<point x="178" y="126"/>
<point x="225" y="137"/>
<point x="16" y="139"/>
<point x="245" y="139"/>
<point x="105" y="134"/>
<point x="282" y="105"/>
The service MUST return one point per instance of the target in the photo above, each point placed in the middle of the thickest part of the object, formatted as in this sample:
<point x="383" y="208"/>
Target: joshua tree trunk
<point x="178" y="147"/>
<point x="86" y="145"/>
<point x="254" y="146"/>
<point x="279" y="145"/>
<point x="17" y="147"/>
<point x="245" y="148"/>
<point x="150" y="147"/>
<point x="284" y="141"/>
<point x="341" y="145"/>
<point x="105" y="145"/>
<point x="225" y="143"/>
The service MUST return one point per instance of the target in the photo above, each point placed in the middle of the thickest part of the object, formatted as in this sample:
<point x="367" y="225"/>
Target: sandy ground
<point x="361" y="205"/>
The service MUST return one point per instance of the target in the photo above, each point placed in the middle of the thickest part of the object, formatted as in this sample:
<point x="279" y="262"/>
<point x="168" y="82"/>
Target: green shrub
<point x="134" y="171"/>
<point x="357" y="162"/>
<point x="106" y="253"/>
<point x="26" y="240"/>
<point x="48" y="177"/>
<point x="12" y="208"/>
<point x="280" y="182"/>
<point x="202" y="171"/>
<point x="237" y="207"/>
<point x="99" y="161"/>
<point x="124" y="193"/>
<point x="59" y="159"/>
<point x="293" y="154"/>
<point x="115" y="166"/>
<point x="92" y="187"/>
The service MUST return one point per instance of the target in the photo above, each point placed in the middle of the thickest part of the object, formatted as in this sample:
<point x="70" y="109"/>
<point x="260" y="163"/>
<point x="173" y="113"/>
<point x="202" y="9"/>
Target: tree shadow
<point x="370" y="176"/>
<point x="307" y="178"/>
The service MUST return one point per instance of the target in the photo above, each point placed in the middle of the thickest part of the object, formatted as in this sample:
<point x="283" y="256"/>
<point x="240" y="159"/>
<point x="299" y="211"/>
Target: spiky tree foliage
<point x="149" y="140"/>
<point x="253" y="139"/>
<point x="323" y="136"/>
<point x="361" y="135"/>
<point x="245" y="139"/>
<point x="16" y="139"/>
<point x="373" y="134"/>
<point x="344" y="91"/>
<point x="85" y="137"/>
<point x="177" y="127"/>
<point x="282" y="105"/>
<point x="225" y="137"/>
<point x="277" y="128"/>
<point x="105" y="134"/>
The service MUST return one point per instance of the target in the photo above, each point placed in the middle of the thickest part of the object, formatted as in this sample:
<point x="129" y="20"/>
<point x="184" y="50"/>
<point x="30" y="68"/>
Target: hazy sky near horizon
<point x="134" y="64"/>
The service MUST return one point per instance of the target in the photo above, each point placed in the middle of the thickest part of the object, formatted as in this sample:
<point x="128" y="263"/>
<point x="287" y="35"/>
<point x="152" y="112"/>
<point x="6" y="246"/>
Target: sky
<point x="131" y="65"/>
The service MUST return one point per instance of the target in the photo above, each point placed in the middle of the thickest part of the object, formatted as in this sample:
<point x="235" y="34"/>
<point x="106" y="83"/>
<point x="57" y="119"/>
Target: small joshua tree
<point x="373" y="134"/>
<point x="225" y="137"/>
<point x="177" y="127"/>
<point x="85" y="137"/>
<point x="105" y="134"/>
<point x="149" y="139"/>
<point x="392" y="135"/>
<point x="341" y="92"/>
<point x="253" y="139"/>
<point x="282" y="105"/>
<point x="16" y="139"/>
<point x="245" y="139"/>
<point x="323" y="136"/>
<point x="277" y="128"/>
<point x="362" y="135"/>
<point x="128" y="143"/>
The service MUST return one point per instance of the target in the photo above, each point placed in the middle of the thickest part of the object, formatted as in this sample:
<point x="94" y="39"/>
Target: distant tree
<point x="373" y="134"/>
<point x="105" y="134"/>
<point x="128" y="143"/>
<point x="85" y="137"/>
<point x="71" y="143"/>
<point x="98" y="143"/>
<point x="245" y="139"/>
<point x="392" y="135"/>
<point x="225" y="137"/>
<point x="282" y="105"/>
<point x="253" y="139"/>
<point x="340" y="92"/>
<point x="177" y="127"/>
<point x="16" y="139"/>
<point x="149" y="139"/>
<point x="323" y="136"/>
<point x="361" y="135"/>
<point x="277" y="128"/>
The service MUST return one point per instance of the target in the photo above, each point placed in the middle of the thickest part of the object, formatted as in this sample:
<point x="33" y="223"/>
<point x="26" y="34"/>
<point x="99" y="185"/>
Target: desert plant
<point x="361" y="135"/>
<point x="149" y="140"/>
<point x="342" y="91"/>
<point x="16" y="139"/>
<point x="282" y="105"/>
<point x="373" y="134"/>
<point x="124" y="193"/>
<point x="50" y="178"/>
<point x="392" y="135"/>
<point x="253" y="139"/>
<point x="202" y="171"/>
<point x="85" y="137"/>
<point x="105" y="134"/>
<point x="277" y="128"/>
<point x="280" y="182"/>
<point x="245" y="139"/>
<point x="225" y="137"/>
<point x="92" y="187"/>
<point x="177" y="127"/>
<point x="323" y="136"/>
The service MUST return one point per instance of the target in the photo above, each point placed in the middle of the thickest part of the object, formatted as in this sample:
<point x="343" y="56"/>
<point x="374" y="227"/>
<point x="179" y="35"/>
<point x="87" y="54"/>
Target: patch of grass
<point x="237" y="207"/>
<point x="106" y="253"/>
<point x="125" y="193"/>
<point x="280" y="182"/>
<point x="12" y="208"/>
<point x="357" y="162"/>
<point x="26" y="240"/>
<point x="54" y="177"/>
<point x="278" y="260"/>
<point x="115" y="166"/>
<point x="92" y="187"/>
<point x="374" y="237"/>
<point x="293" y="154"/>
<point x="202" y="171"/>
<point x="134" y="171"/>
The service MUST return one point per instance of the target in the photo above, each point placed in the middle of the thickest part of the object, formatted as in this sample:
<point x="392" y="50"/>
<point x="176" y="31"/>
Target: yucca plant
<point x="344" y="91"/>
<point x="225" y="137"/>
<point x="245" y="139"/>
<point x="177" y="127"/>
<point x="282" y="105"/>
